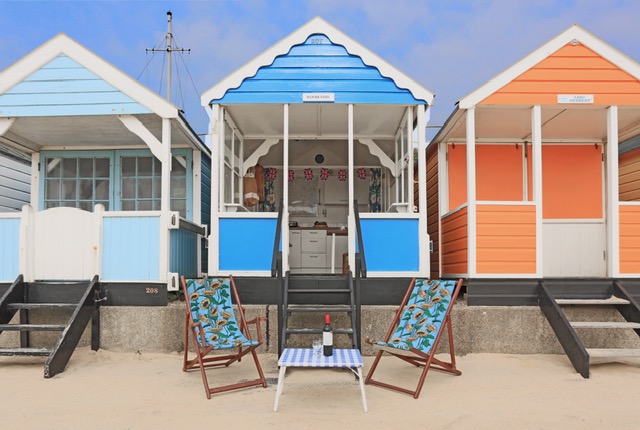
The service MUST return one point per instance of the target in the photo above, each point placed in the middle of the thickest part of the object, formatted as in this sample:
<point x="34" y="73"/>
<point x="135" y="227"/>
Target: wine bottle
<point x="327" y="337"/>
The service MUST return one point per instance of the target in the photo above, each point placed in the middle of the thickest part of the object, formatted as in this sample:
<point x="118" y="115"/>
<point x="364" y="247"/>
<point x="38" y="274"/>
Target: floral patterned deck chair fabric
<point x="212" y="323"/>
<point x="416" y="330"/>
<point x="210" y="303"/>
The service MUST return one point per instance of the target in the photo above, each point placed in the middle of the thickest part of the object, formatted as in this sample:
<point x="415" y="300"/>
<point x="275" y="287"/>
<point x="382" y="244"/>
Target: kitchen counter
<point x="330" y="230"/>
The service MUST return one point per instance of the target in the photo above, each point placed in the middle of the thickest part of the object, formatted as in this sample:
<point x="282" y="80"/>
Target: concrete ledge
<point x="477" y="329"/>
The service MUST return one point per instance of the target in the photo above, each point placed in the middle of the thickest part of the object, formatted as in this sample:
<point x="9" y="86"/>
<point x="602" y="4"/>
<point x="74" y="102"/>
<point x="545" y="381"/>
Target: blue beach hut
<point x="316" y="122"/>
<point x="119" y="180"/>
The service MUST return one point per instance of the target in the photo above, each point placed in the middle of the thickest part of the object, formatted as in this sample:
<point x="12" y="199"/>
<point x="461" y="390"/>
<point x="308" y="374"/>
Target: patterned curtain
<point x="374" y="191"/>
<point x="269" y="203"/>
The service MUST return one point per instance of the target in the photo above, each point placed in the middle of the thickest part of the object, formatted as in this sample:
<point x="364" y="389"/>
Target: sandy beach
<point x="110" y="390"/>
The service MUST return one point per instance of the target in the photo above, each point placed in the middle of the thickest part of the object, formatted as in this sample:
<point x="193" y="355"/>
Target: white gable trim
<point x="574" y="32"/>
<point x="63" y="44"/>
<point x="316" y="25"/>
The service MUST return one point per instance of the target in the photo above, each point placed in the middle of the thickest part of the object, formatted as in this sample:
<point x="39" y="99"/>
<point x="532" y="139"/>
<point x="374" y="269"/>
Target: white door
<point x="66" y="244"/>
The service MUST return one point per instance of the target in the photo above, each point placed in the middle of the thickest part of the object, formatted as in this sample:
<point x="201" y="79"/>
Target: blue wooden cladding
<point x="246" y="244"/>
<point x="391" y="245"/>
<point x="64" y="87"/>
<point x="131" y="248"/>
<point x="318" y="66"/>
<point x="9" y="248"/>
<point x="183" y="253"/>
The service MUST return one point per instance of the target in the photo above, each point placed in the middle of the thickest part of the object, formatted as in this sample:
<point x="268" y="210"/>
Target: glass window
<point x="80" y="182"/>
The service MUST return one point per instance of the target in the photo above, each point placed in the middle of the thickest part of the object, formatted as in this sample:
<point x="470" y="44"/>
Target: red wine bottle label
<point x="327" y="338"/>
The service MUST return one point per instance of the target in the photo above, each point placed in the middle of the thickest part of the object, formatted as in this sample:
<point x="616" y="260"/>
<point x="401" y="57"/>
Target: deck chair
<point x="416" y="330"/>
<point x="212" y="323"/>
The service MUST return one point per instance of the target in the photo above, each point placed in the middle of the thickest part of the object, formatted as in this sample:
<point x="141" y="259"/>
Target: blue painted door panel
<point x="391" y="245"/>
<point x="246" y="244"/>
<point x="131" y="249"/>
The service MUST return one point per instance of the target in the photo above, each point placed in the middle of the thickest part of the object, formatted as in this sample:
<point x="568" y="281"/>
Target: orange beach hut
<point x="538" y="173"/>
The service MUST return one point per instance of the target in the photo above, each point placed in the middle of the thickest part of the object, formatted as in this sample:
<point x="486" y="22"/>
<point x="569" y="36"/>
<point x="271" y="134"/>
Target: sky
<point x="450" y="47"/>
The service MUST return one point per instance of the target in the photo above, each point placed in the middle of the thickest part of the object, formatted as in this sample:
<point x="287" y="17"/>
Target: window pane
<point x="85" y="205"/>
<point x="69" y="189"/>
<point x="53" y="168"/>
<point x="52" y="191"/>
<point x="145" y="166"/>
<point x="157" y="167"/>
<point x="227" y="184"/>
<point x="104" y="203"/>
<point x="102" y="189"/>
<point x="128" y="188"/>
<point x="145" y="205"/>
<point x="157" y="205"/>
<point x="179" y="165"/>
<point x="144" y="188"/>
<point x="102" y="167"/>
<point x="86" y="189"/>
<point x="69" y="167"/>
<point x="128" y="166"/>
<point x="68" y="204"/>
<point x="128" y="205"/>
<point x="85" y="167"/>
<point x="178" y="187"/>
<point x="49" y="205"/>
<point x="157" y="188"/>
<point x="180" y="206"/>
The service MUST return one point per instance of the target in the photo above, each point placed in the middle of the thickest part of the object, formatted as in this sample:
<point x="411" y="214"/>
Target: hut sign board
<point x="318" y="97"/>
<point x="576" y="99"/>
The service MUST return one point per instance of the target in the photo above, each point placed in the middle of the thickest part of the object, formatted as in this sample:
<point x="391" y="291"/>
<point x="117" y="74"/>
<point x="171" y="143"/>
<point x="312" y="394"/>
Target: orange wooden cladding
<point x="499" y="172"/>
<point x="572" y="182"/>
<point x="454" y="243"/>
<point x="629" y="239"/>
<point x="506" y="239"/>
<point x="433" y="215"/>
<point x="629" y="176"/>
<point x="457" y="169"/>
<point x="570" y="70"/>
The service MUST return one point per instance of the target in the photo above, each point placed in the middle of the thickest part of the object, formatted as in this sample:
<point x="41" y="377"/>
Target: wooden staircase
<point x="319" y="294"/>
<point x="616" y="297"/>
<point x="73" y="304"/>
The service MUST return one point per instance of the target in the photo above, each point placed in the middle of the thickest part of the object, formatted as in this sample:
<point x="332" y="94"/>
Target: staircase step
<point x="593" y="302"/>
<point x="613" y="353"/>
<point x="16" y="306"/>
<point x="25" y="351"/>
<point x="605" y="324"/>
<point x="319" y="290"/>
<point x="320" y="309"/>
<point x="32" y="327"/>
<point x="318" y="331"/>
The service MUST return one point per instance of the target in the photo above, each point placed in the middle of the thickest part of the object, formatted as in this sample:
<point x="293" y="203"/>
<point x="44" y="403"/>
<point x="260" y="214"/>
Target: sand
<point x="110" y="390"/>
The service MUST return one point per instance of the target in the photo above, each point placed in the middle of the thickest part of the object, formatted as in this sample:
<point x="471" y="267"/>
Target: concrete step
<point x="613" y="353"/>
<point x="593" y="302"/>
<point x="605" y="324"/>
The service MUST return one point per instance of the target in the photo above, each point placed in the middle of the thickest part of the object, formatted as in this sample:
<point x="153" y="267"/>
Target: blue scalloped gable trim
<point x="318" y="66"/>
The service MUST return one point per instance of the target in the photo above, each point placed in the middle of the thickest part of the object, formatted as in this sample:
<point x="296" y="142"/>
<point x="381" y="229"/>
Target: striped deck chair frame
<point x="219" y="338"/>
<point x="416" y="330"/>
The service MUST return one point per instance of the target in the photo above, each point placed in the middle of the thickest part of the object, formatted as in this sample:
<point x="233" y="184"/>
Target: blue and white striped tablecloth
<point x="303" y="357"/>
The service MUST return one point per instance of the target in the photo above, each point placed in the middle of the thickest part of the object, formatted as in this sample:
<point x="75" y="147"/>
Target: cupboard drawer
<point x="314" y="241"/>
<point x="314" y="260"/>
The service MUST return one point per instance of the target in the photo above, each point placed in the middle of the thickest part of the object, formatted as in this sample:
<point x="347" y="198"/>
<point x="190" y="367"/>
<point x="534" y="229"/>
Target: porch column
<point x="35" y="181"/>
<point x="285" y="190"/>
<point x="613" y="214"/>
<point x="423" y="235"/>
<point x="165" y="205"/>
<point x="215" y="140"/>
<point x="471" y="190"/>
<point x="351" y="219"/>
<point x="536" y="150"/>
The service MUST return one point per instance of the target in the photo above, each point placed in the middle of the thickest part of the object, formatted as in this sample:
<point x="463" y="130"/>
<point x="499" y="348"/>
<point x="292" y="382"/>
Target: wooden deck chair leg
<point x="255" y="360"/>
<point x="373" y="367"/>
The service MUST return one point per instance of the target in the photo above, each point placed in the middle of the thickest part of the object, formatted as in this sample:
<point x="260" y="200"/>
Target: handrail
<point x="360" y="254"/>
<point x="276" y="258"/>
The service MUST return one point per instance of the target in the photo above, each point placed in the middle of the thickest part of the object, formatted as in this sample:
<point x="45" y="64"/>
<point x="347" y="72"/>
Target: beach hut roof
<point x="315" y="26"/>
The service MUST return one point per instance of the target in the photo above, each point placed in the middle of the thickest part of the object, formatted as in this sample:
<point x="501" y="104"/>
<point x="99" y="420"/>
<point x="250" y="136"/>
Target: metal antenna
<point x="169" y="48"/>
